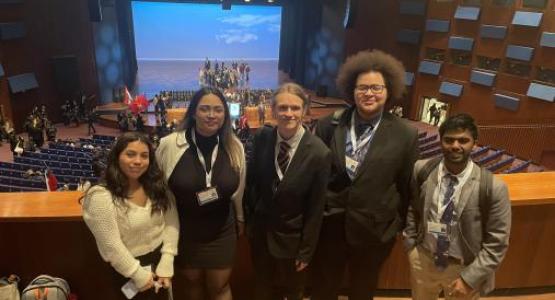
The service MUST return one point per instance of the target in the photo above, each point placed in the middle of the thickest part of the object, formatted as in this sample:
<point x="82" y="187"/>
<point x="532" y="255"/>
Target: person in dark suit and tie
<point x="368" y="190"/>
<point x="286" y="180"/>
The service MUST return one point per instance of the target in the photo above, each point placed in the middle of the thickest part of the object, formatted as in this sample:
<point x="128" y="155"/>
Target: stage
<point x="319" y="107"/>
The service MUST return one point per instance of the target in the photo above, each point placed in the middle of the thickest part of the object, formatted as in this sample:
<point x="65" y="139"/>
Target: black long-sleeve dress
<point x="207" y="233"/>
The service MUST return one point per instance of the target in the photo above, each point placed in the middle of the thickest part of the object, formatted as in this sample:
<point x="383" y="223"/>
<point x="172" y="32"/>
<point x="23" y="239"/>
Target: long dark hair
<point x="153" y="181"/>
<point x="232" y="145"/>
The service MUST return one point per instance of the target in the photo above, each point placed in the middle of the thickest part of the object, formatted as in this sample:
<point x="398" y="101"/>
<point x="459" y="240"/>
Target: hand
<point x="165" y="282"/>
<point x="299" y="265"/>
<point x="240" y="228"/>
<point x="459" y="288"/>
<point x="149" y="284"/>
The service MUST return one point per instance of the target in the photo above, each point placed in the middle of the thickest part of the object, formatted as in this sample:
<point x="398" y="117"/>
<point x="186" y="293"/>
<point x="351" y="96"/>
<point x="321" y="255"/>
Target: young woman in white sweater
<point x="133" y="218"/>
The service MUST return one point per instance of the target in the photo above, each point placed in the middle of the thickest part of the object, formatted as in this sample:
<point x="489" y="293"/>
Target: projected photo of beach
<point x="170" y="57"/>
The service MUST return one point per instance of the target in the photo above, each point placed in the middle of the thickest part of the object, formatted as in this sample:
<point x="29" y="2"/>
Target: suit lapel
<point x="299" y="157"/>
<point x="466" y="191"/>
<point x="375" y="150"/>
<point x="339" y="142"/>
<point x="430" y="186"/>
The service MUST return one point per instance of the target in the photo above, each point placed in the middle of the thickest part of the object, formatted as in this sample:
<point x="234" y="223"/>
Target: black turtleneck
<point x="206" y="146"/>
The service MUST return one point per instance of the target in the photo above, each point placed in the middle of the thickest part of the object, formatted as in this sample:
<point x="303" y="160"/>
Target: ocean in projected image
<point x="173" y="40"/>
<point x="177" y="75"/>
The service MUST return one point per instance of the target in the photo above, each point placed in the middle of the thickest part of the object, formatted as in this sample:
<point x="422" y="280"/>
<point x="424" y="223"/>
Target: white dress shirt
<point x="293" y="143"/>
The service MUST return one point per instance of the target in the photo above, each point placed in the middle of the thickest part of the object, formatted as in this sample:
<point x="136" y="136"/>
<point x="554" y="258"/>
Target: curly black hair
<point x="367" y="61"/>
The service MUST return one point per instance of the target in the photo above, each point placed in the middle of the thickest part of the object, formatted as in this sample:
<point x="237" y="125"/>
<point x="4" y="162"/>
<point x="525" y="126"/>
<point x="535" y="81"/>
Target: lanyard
<point x="201" y="159"/>
<point x="458" y="188"/>
<point x="359" y="145"/>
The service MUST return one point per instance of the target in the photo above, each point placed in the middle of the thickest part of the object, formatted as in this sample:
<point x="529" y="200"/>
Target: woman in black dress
<point x="204" y="164"/>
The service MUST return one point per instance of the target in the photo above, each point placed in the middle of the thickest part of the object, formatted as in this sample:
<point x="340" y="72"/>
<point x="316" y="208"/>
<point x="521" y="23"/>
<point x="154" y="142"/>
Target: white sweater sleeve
<point x="99" y="213"/>
<point x="170" y="238"/>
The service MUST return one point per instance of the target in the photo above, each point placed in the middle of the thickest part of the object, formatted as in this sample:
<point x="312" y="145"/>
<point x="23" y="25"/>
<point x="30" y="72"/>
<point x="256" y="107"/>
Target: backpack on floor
<point x="8" y="288"/>
<point x="46" y="287"/>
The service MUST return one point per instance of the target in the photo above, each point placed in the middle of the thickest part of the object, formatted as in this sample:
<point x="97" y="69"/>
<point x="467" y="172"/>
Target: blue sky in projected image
<point x="195" y="31"/>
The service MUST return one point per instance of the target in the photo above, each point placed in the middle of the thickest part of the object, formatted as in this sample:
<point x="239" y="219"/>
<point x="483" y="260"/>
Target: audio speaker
<point x="95" y="11"/>
<point x="66" y="75"/>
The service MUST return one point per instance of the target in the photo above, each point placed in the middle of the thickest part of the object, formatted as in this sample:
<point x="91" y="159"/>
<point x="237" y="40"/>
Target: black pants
<point x="151" y="259"/>
<point x="275" y="278"/>
<point x="333" y="255"/>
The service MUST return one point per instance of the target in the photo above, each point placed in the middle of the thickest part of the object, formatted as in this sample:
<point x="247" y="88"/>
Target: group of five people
<point x="325" y="202"/>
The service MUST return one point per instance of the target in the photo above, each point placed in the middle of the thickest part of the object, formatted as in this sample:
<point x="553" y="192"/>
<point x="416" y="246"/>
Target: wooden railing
<point x="43" y="232"/>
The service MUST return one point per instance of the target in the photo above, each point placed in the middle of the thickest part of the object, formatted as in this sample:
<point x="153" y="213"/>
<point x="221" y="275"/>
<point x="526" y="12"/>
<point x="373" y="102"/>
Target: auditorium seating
<point x="427" y="139"/>
<point x="96" y="142"/>
<point x="489" y="158"/>
<point x="65" y="152"/>
<point x="52" y="164"/>
<point x="432" y="145"/>
<point x="59" y="158"/>
<point x="69" y="148"/>
<point x="104" y="137"/>
<point x="430" y="153"/>
<point x="501" y="164"/>
<point x="518" y="168"/>
<point x="479" y="151"/>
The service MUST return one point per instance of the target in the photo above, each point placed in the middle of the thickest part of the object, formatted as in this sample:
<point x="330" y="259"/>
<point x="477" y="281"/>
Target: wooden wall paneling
<point x="496" y="14"/>
<point x="441" y="10"/>
<point x="435" y="40"/>
<point x="524" y="36"/>
<point x="456" y="72"/>
<point x="548" y="20"/>
<point x="55" y="27"/>
<point x="527" y="142"/>
<point x="489" y="47"/>
<point x="530" y="248"/>
<point x="512" y="83"/>
<point x="465" y="28"/>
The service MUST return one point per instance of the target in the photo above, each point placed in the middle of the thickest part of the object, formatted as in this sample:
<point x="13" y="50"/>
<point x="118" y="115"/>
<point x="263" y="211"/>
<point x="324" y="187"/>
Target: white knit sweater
<point x="123" y="232"/>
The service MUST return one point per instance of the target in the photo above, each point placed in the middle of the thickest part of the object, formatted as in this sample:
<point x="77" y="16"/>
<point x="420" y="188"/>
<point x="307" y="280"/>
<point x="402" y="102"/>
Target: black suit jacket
<point x="375" y="202"/>
<point x="288" y="214"/>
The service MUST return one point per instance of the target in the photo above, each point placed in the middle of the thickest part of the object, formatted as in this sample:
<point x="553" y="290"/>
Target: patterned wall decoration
<point x="465" y="41"/>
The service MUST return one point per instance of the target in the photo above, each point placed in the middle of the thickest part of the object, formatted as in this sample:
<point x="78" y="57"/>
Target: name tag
<point x="208" y="195"/>
<point x="351" y="164"/>
<point x="437" y="228"/>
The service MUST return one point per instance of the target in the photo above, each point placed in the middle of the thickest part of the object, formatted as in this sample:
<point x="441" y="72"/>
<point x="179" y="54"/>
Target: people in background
<point x="287" y="177"/>
<point x="459" y="219"/>
<point x="133" y="218"/>
<point x="204" y="164"/>
<point x="368" y="190"/>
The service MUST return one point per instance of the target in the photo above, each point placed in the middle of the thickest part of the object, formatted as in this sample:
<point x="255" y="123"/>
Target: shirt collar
<point x="462" y="176"/>
<point x="294" y="140"/>
<point x="372" y="122"/>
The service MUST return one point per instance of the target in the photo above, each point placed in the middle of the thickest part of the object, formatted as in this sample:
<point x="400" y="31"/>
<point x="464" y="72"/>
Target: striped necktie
<point x="442" y="250"/>
<point x="283" y="156"/>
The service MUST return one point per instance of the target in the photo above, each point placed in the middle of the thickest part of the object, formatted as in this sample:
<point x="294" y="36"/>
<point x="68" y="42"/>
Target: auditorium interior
<point x="492" y="59"/>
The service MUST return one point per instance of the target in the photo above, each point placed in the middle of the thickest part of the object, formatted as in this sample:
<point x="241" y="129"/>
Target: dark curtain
<point x="298" y="20"/>
<point x="127" y="41"/>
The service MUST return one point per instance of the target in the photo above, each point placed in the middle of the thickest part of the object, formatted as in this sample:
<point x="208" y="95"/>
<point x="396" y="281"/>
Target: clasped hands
<point x="157" y="282"/>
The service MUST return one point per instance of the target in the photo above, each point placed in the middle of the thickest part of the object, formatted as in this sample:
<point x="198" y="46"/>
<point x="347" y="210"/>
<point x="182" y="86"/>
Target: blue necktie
<point x="442" y="249"/>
